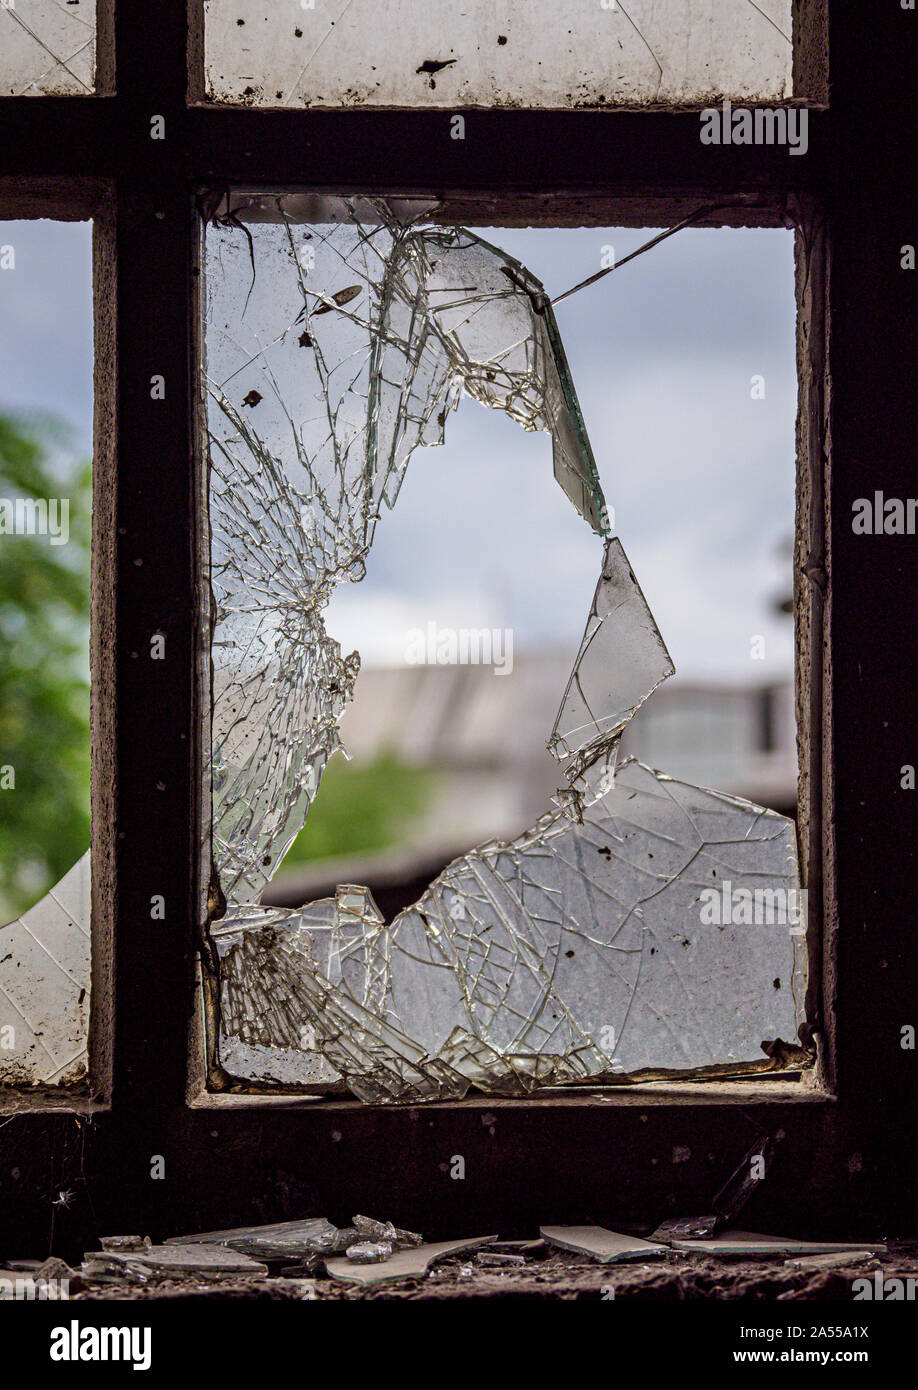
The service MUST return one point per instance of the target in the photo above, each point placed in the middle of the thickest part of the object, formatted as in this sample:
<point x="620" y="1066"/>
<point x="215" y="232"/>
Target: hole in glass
<point x="636" y="926"/>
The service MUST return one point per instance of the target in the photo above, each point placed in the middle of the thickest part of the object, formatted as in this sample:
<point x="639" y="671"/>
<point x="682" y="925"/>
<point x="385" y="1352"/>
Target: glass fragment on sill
<point x="314" y="1235"/>
<point x="340" y="335"/>
<point x="47" y="47"/>
<point x="442" y="54"/>
<point x="45" y="985"/>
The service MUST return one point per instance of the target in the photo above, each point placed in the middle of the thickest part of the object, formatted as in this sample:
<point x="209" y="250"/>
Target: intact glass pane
<point x="47" y="47"/>
<point x="45" y="519"/>
<point x="454" y="53"/>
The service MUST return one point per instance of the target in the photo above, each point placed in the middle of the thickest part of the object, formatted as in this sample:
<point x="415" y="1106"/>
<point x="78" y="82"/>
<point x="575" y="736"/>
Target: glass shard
<point x="403" y="1264"/>
<point x="368" y="1252"/>
<point x="441" y="53"/>
<point x="44" y="986"/>
<point x="371" y="1229"/>
<point x="603" y="940"/>
<point x="606" y="1247"/>
<point x="175" y="1262"/>
<point x="621" y="661"/>
<point x="312" y="1236"/>
<point x="47" y="47"/>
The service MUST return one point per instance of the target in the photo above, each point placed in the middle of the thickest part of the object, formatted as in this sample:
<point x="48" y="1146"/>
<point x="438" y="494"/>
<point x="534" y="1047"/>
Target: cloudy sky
<point x="46" y="324"/>
<point x="700" y="474"/>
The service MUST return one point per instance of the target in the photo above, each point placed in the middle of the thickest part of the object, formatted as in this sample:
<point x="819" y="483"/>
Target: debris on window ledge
<point x="563" y="1258"/>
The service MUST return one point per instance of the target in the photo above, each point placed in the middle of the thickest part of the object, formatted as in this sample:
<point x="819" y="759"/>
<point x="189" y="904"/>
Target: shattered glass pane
<point x="441" y="53"/>
<point x="642" y="925"/>
<point x="47" y="47"/>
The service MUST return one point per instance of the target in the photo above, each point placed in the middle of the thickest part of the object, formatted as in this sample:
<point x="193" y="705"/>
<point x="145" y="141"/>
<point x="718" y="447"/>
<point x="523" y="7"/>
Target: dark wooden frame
<point x="848" y="1140"/>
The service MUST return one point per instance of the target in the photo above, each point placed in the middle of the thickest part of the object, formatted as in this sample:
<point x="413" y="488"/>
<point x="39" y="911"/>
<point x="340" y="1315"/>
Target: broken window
<point x="594" y="53"/>
<point x="641" y="925"/>
<point x="471" y="611"/>
<point x="45" y="509"/>
<point x="47" y="47"/>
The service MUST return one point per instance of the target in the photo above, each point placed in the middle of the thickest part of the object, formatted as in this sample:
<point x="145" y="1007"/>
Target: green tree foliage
<point x="44" y="670"/>
<point x="363" y="807"/>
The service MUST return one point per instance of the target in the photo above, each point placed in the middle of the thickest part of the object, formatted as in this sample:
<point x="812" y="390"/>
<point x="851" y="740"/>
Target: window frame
<point x="574" y="1155"/>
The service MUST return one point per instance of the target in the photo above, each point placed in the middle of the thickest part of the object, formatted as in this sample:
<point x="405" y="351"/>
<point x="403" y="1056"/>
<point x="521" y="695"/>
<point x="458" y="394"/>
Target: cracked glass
<point x="47" y="47"/>
<point x="640" y="926"/>
<point x="45" y="542"/>
<point x="338" y="53"/>
<point x="45" y="985"/>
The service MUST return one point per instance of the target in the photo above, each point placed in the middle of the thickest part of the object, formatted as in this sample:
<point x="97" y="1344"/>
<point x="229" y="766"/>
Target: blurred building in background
<point x="478" y="739"/>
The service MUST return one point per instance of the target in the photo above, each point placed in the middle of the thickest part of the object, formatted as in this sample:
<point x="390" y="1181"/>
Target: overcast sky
<point x="701" y="476"/>
<point x="46" y="323"/>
